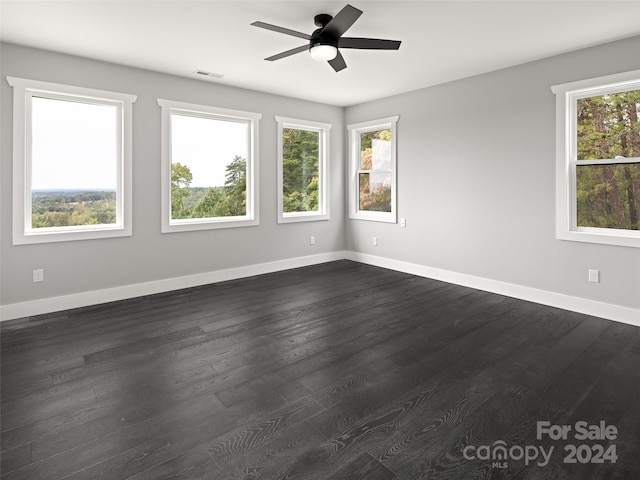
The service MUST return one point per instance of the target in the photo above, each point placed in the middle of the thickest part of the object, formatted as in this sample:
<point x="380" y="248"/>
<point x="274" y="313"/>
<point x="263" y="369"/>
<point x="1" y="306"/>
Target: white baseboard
<point x="609" y="311"/>
<point x="95" y="297"/>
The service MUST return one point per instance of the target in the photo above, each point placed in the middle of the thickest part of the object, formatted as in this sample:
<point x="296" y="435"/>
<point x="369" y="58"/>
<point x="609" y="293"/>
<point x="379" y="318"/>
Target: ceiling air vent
<point x="204" y="73"/>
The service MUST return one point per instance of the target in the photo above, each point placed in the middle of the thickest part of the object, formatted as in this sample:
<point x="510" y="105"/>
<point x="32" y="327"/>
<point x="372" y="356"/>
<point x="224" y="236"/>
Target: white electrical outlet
<point x="594" y="276"/>
<point x="38" y="275"/>
<point x="312" y="240"/>
<point x="374" y="241"/>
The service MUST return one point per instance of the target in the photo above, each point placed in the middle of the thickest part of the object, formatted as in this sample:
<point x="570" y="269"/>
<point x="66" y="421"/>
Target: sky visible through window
<point x="74" y="145"/>
<point x="207" y="146"/>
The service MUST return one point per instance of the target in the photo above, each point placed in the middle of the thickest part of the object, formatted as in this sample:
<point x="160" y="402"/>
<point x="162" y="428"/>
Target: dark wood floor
<point x="335" y="371"/>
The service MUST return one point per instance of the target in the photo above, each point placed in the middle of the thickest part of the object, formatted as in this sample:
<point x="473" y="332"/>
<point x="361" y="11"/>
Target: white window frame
<point x="354" y="167"/>
<point x="567" y="95"/>
<point x="23" y="92"/>
<point x="323" y="170"/>
<point x="251" y="218"/>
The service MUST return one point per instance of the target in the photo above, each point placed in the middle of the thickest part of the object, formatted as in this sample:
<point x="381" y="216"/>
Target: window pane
<point x="375" y="150"/>
<point x="375" y="192"/>
<point x="208" y="167"/>
<point x="608" y="126"/>
<point x="74" y="163"/>
<point x="300" y="170"/>
<point x="608" y="196"/>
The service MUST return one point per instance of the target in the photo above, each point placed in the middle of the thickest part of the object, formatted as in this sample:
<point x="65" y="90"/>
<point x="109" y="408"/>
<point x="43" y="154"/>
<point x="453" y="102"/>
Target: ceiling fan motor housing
<point x="321" y="37"/>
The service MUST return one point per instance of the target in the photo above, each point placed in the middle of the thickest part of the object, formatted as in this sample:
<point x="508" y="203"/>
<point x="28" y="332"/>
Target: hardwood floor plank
<point x="16" y="458"/>
<point x="152" y="407"/>
<point x="365" y="467"/>
<point x="275" y="459"/>
<point x="28" y="412"/>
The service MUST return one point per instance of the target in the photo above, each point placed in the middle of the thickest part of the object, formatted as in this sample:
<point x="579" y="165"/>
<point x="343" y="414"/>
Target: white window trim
<point x="23" y="91"/>
<point x="323" y="166"/>
<point x="169" y="225"/>
<point x="567" y="95"/>
<point x="354" y="161"/>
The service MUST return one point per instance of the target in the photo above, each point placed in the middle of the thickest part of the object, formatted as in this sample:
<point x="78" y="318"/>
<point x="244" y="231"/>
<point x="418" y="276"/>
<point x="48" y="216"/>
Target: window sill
<point x="207" y="224"/>
<point x="302" y="217"/>
<point x="67" y="235"/>
<point x="614" y="237"/>
<point x="384" y="217"/>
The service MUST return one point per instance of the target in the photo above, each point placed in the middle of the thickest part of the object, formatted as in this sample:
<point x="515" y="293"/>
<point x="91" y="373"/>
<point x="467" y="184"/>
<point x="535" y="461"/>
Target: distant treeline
<point x="63" y="208"/>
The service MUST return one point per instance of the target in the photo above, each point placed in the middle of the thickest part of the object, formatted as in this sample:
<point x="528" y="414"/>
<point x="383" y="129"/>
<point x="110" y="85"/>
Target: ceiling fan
<point x="325" y="42"/>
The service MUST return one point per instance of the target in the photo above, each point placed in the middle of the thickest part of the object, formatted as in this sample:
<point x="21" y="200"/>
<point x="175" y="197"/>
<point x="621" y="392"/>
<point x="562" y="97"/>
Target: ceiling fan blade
<point x="342" y="21"/>
<point x="288" y="53"/>
<point x="369" y="43"/>
<point x="338" y="63"/>
<point x="286" y="31"/>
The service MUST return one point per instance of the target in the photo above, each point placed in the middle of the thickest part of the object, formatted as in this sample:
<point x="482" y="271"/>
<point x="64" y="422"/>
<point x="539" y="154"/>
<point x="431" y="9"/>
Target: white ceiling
<point x="441" y="40"/>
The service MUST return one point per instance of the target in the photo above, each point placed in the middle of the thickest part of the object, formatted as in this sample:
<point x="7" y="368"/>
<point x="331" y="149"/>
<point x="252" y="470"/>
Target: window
<point x="71" y="162"/>
<point x="209" y="167"/>
<point x="372" y="182"/>
<point x="598" y="160"/>
<point x="303" y="178"/>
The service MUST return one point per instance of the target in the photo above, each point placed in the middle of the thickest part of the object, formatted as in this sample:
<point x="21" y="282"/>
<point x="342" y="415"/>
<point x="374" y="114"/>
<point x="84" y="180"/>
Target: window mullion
<point x="609" y="161"/>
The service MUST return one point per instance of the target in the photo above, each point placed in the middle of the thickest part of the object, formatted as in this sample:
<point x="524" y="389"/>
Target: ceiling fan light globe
<point x="323" y="52"/>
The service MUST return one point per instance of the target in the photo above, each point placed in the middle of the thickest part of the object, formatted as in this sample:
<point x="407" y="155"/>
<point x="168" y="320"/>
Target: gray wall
<point x="73" y="267"/>
<point x="476" y="179"/>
